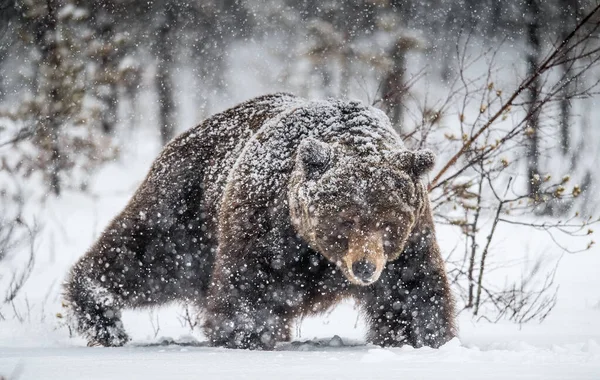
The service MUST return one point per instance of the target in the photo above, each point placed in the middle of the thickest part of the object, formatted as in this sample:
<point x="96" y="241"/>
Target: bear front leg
<point x="411" y="303"/>
<point x="415" y="313"/>
<point x="94" y="311"/>
<point x="241" y="313"/>
<point x="245" y="328"/>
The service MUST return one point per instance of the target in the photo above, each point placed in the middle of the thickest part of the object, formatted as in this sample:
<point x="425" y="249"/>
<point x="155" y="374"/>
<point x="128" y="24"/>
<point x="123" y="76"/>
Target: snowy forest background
<point x="503" y="91"/>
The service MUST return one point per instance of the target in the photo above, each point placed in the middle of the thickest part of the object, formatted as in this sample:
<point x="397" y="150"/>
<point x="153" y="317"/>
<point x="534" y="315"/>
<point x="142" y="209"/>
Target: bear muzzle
<point x="365" y="259"/>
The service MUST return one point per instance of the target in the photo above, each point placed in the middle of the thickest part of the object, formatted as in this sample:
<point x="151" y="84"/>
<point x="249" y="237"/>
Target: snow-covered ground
<point x="483" y="351"/>
<point x="565" y="346"/>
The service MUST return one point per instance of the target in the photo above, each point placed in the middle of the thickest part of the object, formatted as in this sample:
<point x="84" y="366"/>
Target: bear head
<point x="357" y="212"/>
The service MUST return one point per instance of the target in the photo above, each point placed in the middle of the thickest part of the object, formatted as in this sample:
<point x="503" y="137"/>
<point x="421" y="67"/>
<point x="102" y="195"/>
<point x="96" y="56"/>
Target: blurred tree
<point x="213" y="26"/>
<point x="165" y="50"/>
<point x="533" y="15"/>
<point x="326" y="49"/>
<point x="52" y="102"/>
<point x="105" y="48"/>
<point x="57" y="117"/>
<point x="8" y="23"/>
<point x="395" y="83"/>
<point x="567" y="21"/>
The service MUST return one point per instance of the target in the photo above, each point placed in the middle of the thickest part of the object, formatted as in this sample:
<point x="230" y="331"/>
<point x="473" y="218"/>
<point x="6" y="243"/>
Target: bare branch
<point x="547" y="64"/>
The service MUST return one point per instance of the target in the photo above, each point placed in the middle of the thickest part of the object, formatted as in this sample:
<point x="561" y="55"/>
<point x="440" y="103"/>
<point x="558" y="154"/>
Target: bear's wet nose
<point x="363" y="270"/>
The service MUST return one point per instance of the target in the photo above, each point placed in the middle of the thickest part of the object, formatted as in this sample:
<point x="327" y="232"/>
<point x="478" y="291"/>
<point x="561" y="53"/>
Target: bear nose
<point x="363" y="270"/>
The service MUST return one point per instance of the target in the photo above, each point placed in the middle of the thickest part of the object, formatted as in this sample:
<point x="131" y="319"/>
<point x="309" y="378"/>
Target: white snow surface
<point x="565" y="346"/>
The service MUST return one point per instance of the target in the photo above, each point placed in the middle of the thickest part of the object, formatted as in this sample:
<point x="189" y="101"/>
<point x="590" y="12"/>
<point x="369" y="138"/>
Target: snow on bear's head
<point x="356" y="212"/>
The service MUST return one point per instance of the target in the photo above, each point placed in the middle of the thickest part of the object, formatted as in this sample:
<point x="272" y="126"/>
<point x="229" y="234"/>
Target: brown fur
<point x="364" y="247"/>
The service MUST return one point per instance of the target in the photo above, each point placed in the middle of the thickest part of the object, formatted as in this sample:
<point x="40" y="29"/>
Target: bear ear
<point x="313" y="155"/>
<point x="415" y="163"/>
<point x="424" y="162"/>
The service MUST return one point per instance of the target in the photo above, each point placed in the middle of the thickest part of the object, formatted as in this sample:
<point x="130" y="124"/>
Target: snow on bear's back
<point x="357" y="129"/>
<point x="223" y="137"/>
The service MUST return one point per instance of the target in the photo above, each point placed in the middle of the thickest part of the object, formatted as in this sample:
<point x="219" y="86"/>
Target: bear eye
<point x="390" y="231"/>
<point x="387" y="226"/>
<point x="347" y="224"/>
<point x="402" y="183"/>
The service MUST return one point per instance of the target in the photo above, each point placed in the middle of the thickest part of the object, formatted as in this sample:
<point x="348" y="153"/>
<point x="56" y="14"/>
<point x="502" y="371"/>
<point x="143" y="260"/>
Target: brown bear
<point x="274" y="209"/>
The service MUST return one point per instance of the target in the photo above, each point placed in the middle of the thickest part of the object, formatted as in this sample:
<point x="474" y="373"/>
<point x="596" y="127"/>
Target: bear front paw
<point x="388" y="338"/>
<point x="229" y="336"/>
<point x="416" y="338"/>
<point x="240" y="339"/>
<point x="108" y="336"/>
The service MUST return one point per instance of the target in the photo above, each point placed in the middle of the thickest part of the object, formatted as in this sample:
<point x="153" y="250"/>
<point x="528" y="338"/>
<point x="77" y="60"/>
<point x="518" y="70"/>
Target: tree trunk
<point x="323" y="71"/>
<point x="163" y="77"/>
<point x="209" y="46"/>
<point x="533" y="58"/>
<point x="2" y="89"/>
<point x="108" y="61"/>
<point x="567" y="15"/>
<point x="394" y="85"/>
<point x="345" y="64"/>
<point x="46" y="40"/>
<point x="8" y="23"/>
